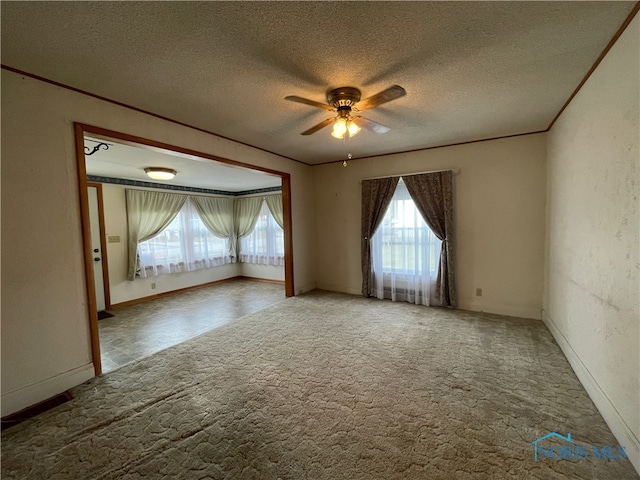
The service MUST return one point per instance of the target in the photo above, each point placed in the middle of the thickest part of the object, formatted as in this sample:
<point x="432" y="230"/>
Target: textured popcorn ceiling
<point x="472" y="70"/>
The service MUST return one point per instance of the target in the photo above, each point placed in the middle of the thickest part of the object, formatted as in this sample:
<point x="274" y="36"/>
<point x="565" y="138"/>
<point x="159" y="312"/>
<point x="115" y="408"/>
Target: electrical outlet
<point x="478" y="292"/>
<point x="153" y="286"/>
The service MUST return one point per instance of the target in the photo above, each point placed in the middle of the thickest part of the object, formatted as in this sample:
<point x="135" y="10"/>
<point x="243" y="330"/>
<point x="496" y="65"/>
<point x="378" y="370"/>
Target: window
<point x="265" y="244"/>
<point x="405" y="252"/>
<point x="185" y="245"/>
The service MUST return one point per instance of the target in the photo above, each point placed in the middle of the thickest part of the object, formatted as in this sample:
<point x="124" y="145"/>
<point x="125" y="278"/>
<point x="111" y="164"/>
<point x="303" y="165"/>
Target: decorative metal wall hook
<point x="89" y="151"/>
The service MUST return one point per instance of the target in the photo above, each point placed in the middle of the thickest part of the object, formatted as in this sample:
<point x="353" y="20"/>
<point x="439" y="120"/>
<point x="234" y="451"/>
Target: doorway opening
<point x="100" y="262"/>
<point x="118" y="164"/>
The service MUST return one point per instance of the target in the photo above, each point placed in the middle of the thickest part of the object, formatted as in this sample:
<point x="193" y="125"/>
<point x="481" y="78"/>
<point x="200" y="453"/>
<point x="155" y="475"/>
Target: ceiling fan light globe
<point x="339" y="128"/>
<point x="353" y="129"/>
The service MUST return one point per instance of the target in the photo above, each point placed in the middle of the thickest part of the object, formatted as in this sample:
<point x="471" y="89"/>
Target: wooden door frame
<point x="80" y="131"/>
<point x="103" y="245"/>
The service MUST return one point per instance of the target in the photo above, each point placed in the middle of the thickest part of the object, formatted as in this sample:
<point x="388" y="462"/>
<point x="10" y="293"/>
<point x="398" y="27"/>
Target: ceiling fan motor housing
<point x="343" y="97"/>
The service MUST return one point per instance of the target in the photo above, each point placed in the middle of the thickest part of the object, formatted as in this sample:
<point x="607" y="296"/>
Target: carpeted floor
<point x="327" y="386"/>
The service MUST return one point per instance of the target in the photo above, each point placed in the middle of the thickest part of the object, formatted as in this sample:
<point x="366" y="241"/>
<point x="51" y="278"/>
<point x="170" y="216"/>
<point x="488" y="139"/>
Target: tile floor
<point x="137" y="331"/>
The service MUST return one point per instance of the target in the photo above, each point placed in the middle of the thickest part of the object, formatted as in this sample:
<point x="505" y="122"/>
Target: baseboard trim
<point x="37" y="409"/>
<point x="258" y="279"/>
<point x="30" y="395"/>
<point x="508" y="310"/>
<point x="612" y="417"/>
<point x="193" y="287"/>
<point x="305" y="289"/>
<point x="338" y="288"/>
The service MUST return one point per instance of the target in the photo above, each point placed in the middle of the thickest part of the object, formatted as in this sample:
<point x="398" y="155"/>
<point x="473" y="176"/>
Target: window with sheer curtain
<point x="405" y="253"/>
<point x="185" y="245"/>
<point x="265" y="244"/>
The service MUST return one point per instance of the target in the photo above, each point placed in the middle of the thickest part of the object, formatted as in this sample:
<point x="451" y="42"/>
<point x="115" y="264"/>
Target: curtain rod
<point x="455" y="171"/>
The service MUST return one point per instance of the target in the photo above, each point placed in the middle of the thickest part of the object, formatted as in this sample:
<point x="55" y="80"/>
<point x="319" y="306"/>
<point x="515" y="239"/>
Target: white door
<point x="96" y="249"/>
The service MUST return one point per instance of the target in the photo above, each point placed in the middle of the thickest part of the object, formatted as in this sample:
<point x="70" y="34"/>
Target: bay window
<point x="265" y="244"/>
<point x="186" y="244"/>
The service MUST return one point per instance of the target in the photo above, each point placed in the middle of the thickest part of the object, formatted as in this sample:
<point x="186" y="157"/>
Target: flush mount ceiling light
<point x="160" y="173"/>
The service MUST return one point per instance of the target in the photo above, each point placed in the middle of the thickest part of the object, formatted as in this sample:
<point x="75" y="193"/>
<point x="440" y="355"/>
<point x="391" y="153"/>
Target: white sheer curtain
<point x="265" y="244"/>
<point x="405" y="253"/>
<point x="185" y="245"/>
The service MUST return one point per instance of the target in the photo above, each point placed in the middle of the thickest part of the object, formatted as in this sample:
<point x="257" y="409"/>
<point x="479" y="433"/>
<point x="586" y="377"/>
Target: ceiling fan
<point x="344" y="101"/>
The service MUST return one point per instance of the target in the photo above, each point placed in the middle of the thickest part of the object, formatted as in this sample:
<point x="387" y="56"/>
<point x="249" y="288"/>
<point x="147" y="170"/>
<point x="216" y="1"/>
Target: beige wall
<point x="499" y="220"/>
<point x="45" y="333"/>
<point x="264" y="272"/>
<point x="592" y="283"/>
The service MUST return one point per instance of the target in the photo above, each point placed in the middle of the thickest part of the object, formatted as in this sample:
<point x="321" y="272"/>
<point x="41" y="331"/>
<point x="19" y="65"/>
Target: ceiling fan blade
<point x="391" y="93"/>
<point x="313" y="103"/>
<point x="317" y="127"/>
<point x="370" y="124"/>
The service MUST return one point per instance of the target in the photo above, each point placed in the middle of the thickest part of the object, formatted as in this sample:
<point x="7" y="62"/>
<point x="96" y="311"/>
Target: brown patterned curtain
<point x="433" y="196"/>
<point x="376" y="197"/>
